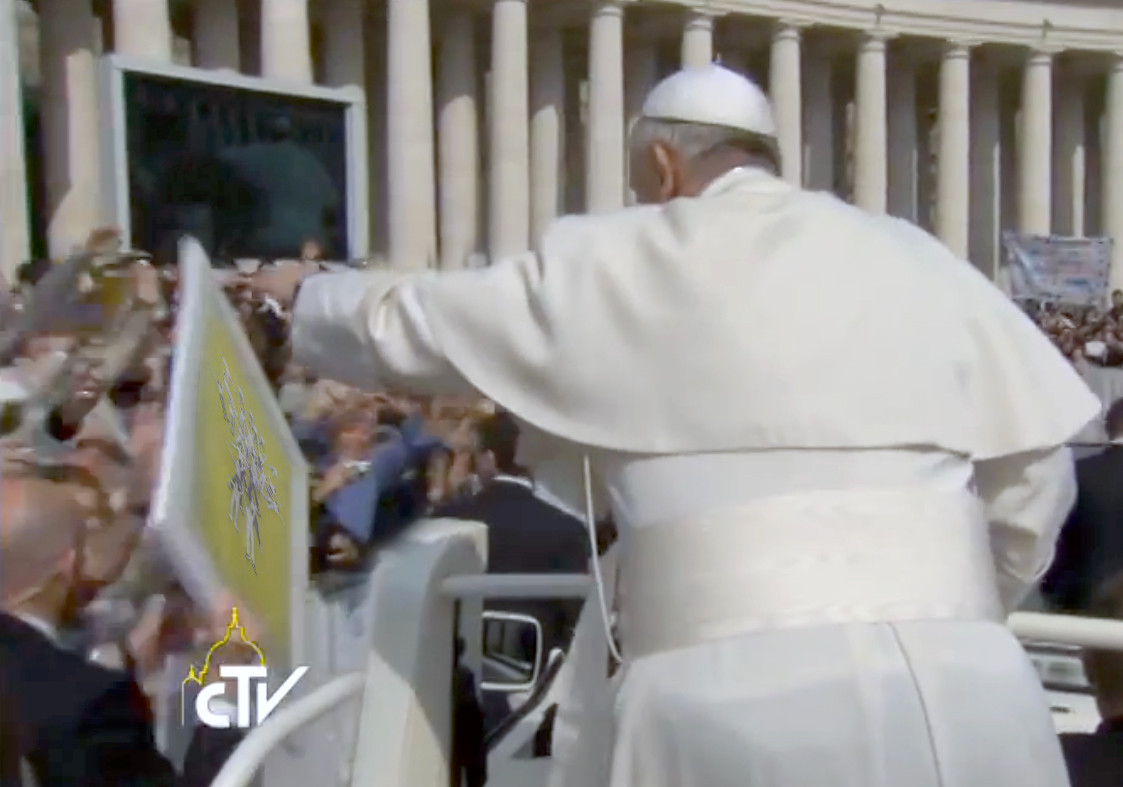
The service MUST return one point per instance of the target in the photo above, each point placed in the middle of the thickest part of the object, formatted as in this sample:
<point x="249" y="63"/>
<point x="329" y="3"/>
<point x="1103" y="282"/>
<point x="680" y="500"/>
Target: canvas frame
<point x="173" y="504"/>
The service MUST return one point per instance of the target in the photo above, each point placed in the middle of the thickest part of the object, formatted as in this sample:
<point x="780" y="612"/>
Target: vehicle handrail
<point x="1084" y="632"/>
<point x="520" y="586"/>
<point x="250" y="755"/>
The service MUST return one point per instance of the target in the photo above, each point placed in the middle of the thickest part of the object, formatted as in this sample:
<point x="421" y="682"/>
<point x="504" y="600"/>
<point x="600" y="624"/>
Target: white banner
<point x="1053" y="268"/>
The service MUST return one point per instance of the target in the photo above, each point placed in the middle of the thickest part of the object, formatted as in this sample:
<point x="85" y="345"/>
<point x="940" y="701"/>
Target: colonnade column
<point x="870" y="167"/>
<point x="818" y="122"/>
<point x="14" y="214"/>
<point x="143" y="29"/>
<point x="344" y="57"/>
<point x="787" y="100"/>
<point x="70" y="122"/>
<point x="547" y="131"/>
<point x="214" y="34"/>
<point x="953" y="174"/>
<point x="286" y="50"/>
<point x="604" y="159"/>
<point x="509" y="151"/>
<point x="904" y="188"/>
<point x="1068" y="157"/>
<point x="986" y="169"/>
<point x="1113" y="169"/>
<point x="1035" y="153"/>
<point x="698" y="40"/>
<point x="458" y="144"/>
<point x="411" y="197"/>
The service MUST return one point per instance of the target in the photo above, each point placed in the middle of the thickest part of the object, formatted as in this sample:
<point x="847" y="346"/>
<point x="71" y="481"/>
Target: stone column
<point x="286" y="49"/>
<point x="458" y="143"/>
<point x="787" y="101"/>
<point x="1035" y="138"/>
<point x="698" y="40"/>
<point x="604" y="158"/>
<point x="14" y="213"/>
<point x="214" y="34"/>
<point x="953" y="165"/>
<point x="818" y="122"/>
<point x="343" y="43"/>
<point x="509" y="151"/>
<point x="547" y="131"/>
<point x="1113" y="168"/>
<point x="986" y="170"/>
<point x="1068" y="157"/>
<point x="904" y="194"/>
<point x="143" y="29"/>
<point x="870" y="167"/>
<point x="70" y="123"/>
<point x="411" y="198"/>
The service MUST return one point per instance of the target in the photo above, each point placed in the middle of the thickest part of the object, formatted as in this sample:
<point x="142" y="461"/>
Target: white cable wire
<point x="598" y="578"/>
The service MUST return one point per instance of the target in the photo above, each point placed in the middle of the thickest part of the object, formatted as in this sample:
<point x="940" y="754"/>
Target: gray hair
<point x="694" y="139"/>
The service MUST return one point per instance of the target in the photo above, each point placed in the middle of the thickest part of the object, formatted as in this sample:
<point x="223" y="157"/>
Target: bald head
<point x="42" y="522"/>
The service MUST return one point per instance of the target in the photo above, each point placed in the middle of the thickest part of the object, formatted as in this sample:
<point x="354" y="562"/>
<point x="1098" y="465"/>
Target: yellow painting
<point x="244" y="483"/>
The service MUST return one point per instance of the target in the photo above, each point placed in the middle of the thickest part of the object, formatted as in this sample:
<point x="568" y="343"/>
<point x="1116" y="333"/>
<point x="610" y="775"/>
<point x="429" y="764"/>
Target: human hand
<point x="336" y="477"/>
<point x="342" y="550"/>
<point x="166" y="625"/>
<point x="279" y="283"/>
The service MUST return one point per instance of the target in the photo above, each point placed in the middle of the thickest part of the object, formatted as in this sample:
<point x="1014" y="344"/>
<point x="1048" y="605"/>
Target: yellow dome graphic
<point x="199" y="677"/>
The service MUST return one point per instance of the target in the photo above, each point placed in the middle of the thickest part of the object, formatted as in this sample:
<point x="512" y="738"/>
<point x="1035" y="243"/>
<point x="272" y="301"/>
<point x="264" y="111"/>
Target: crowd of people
<point x="379" y="461"/>
<point x="1084" y="334"/>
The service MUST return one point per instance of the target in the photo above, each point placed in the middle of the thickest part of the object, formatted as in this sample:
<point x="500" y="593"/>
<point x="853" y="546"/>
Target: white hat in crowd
<point x="712" y="95"/>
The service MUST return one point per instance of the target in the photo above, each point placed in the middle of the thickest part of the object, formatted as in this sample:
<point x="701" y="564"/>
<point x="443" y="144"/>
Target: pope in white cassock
<point x="834" y="451"/>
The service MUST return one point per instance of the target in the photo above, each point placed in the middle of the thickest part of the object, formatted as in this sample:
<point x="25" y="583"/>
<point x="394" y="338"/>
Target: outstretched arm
<point x="369" y="329"/>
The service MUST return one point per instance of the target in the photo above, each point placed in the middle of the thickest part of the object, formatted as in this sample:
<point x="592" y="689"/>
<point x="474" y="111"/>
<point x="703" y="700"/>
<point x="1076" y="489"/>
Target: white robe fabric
<point x="754" y="345"/>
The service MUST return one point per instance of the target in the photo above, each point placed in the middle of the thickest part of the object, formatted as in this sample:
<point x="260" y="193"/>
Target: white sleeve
<point x="1027" y="498"/>
<point x="369" y="329"/>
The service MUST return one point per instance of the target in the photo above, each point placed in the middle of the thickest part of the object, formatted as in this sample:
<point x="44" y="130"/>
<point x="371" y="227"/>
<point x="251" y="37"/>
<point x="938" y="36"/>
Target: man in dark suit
<point x="1096" y="759"/>
<point x="80" y="724"/>
<point x="526" y="534"/>
<point x="61" y="543"/>
<point x="1090" y="548"/>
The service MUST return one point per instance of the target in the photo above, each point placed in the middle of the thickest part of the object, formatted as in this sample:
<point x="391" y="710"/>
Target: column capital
<point x="702" y="14"/>
<point x="874" y="40"/>
<point x="1041" y="53"/>
<point x="956" y="48"/>
<point x="787" y="29"/>
<point x="608" y="7"/>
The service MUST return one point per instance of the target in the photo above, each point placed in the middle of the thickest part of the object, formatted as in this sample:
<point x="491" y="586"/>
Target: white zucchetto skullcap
<point x="712" y="95"/>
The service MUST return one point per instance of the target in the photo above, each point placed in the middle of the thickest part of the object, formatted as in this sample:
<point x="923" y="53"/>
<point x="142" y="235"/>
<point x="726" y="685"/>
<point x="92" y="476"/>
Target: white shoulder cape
<point x="758" y="316"/>
<point x="755" y="316"/>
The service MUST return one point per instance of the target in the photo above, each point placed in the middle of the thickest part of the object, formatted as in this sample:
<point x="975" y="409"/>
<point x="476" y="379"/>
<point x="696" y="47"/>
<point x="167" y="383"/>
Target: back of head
<point x="706" y="120"/>
<point x="44" y="512"/>
<point x="498" y="435"/>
